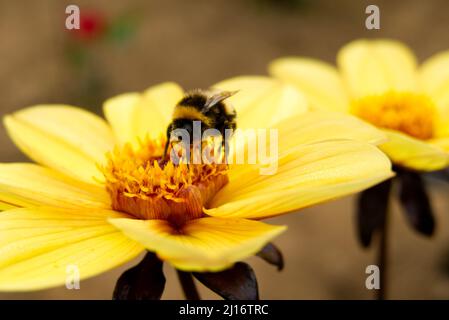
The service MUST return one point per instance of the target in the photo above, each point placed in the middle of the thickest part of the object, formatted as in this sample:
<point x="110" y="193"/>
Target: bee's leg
<point x="166" y="149"/>
<point x="190" y="159"/>
<point x="224" y="146"/>
<point x="226" y="151"/>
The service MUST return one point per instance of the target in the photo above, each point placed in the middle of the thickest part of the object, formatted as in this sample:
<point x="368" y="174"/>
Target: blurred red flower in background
<point x="93" y="25"/>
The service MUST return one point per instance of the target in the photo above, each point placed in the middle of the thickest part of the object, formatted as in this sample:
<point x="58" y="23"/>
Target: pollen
<point x="145" y="186"/>
<point x="410" y="113"/>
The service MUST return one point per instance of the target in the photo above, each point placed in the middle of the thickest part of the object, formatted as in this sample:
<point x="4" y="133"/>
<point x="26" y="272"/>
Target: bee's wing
<point x="216" y="98"/>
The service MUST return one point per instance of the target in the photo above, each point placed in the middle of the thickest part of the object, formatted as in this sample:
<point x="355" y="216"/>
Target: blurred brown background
<point x="198" y="43"/>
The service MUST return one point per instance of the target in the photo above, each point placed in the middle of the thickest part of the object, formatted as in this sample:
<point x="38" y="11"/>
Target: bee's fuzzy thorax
<point x="195" y="98"/>
<point x="191" y="113"/>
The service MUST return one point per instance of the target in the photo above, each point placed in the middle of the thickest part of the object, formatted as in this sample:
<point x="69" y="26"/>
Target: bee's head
<point x="179" y="128"/>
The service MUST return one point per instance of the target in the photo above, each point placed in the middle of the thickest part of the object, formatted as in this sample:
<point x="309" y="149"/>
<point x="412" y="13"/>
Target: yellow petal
<point x="154" y="110"/>
<point x="39" y="247"/>
<point x="442" y="143"/>
<point x="316" y="126"/>
<point x="441" y="120"/>
<point x="119" y="111"/>
<point x="262" y="101"/>
<point x="319" y="81"/>
<point x="376" y="66"/>
<point x="6" y="206"/>
<point x="412" y="153"/>
<point x="67" y="139"/>
<point x="434" y="80"/>
<point x="310" y="127"/>
<point x="206" y="244"/>
<point x="135" y="116"/>
<point x="26" y="184"/>
<point x="306" y="175"/>
<point x="434" y="74"/>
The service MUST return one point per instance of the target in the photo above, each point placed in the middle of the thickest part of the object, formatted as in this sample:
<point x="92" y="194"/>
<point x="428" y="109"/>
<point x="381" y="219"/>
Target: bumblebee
<point x="207" y="106"/>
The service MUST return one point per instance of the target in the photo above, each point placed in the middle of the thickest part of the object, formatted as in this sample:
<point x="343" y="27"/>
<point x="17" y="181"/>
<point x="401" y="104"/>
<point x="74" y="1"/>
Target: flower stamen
<point x="142" y="184"/>
<point x="411" y="113"/>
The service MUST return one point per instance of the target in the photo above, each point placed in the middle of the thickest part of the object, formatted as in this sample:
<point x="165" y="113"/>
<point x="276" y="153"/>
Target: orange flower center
<point x="143" y="185"/>
<point x="411" y="113"/>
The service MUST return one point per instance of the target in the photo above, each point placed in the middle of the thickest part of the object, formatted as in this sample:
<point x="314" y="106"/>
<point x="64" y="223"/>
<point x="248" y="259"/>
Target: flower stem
<point x="382" y="259"/>
<point x="188" y="285"/>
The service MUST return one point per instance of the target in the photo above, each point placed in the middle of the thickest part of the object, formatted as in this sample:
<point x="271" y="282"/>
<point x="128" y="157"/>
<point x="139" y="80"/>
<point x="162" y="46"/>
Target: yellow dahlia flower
<point x="97" y="198"/>
<point x="380" y="82"/>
